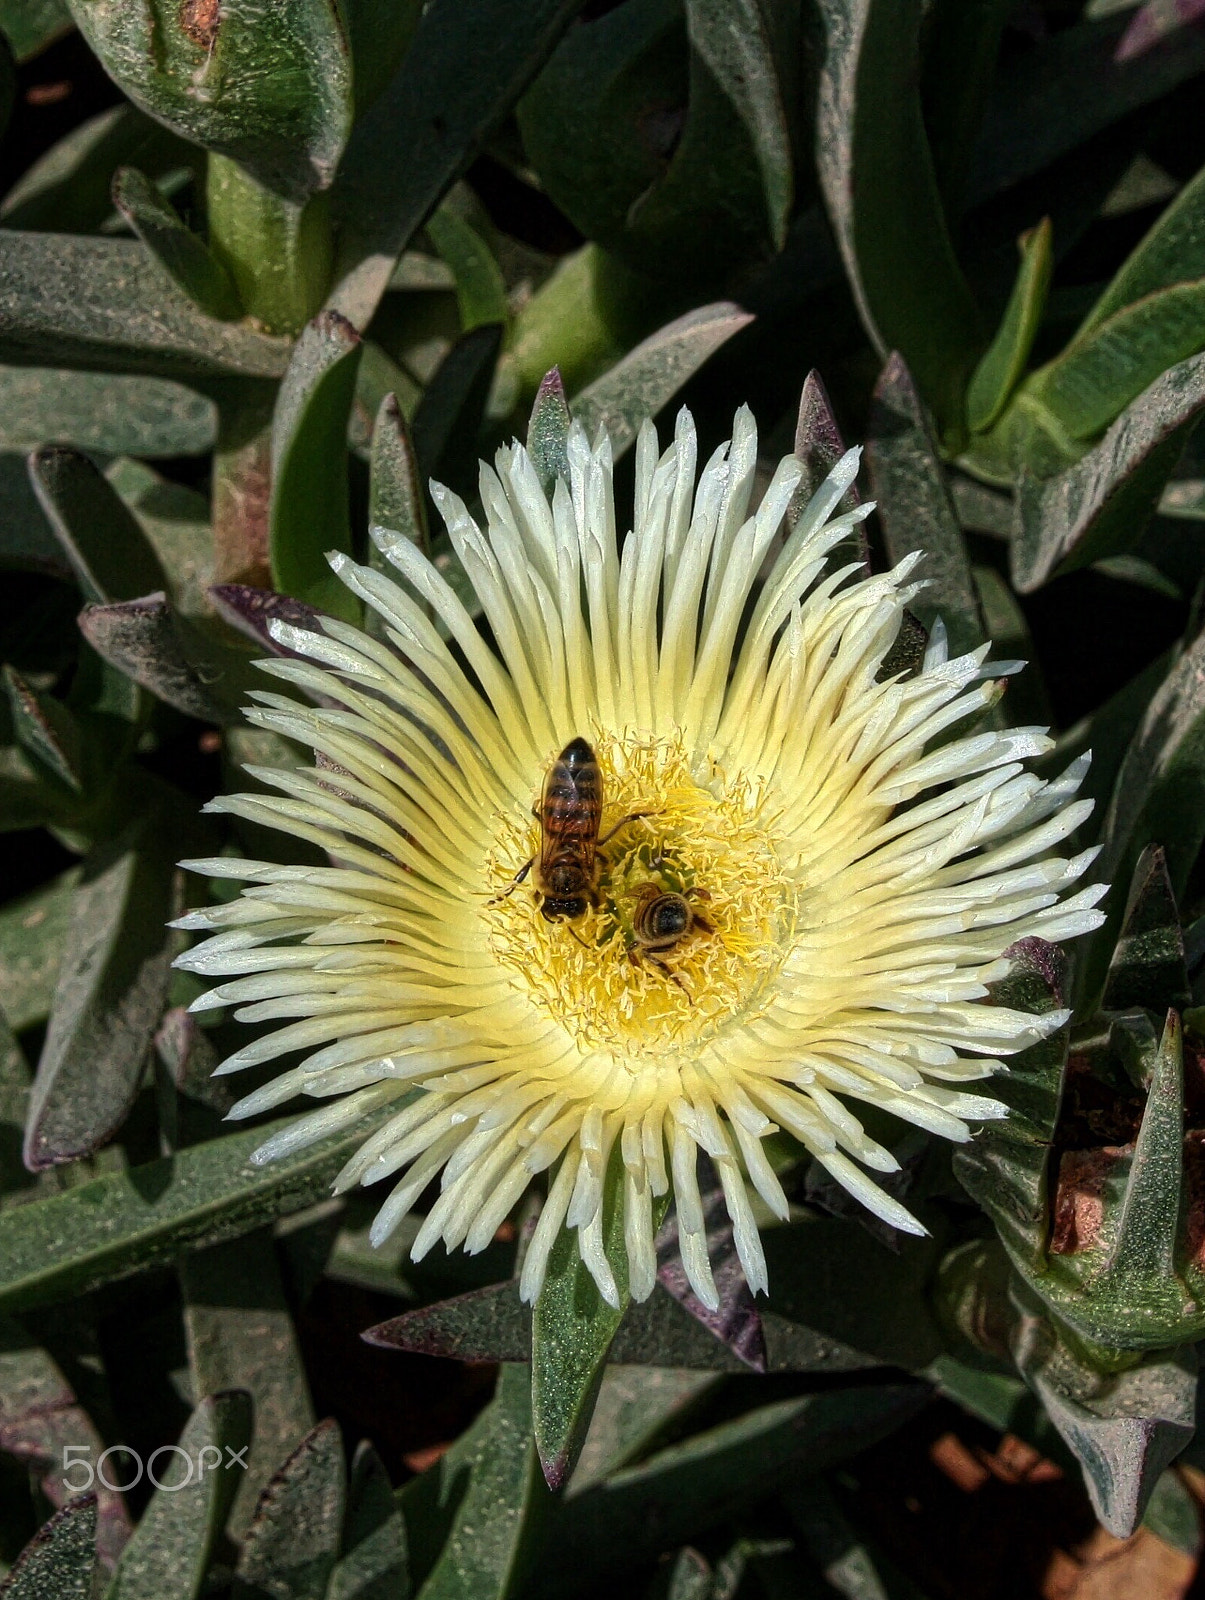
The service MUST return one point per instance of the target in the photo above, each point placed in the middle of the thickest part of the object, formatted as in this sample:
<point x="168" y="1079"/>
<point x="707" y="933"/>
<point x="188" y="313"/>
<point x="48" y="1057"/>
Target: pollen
<point x="697" y="834"/>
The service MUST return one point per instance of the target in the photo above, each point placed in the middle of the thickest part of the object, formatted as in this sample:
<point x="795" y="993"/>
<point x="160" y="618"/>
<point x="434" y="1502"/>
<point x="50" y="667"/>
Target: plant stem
<point x="278" y="254"/>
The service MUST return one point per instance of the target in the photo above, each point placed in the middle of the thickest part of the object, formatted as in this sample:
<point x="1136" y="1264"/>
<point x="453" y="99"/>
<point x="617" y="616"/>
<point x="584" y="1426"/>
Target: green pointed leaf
<point x="59" y="1561"/>
<point x="33" y="935"/>
<point x="730" y="176"/>
<point x="75" y="301"/>
<point x="1172" y="252"/>
<point x="129" y="1221"/>
<point x="1004" y="1167"/>
<point x="271" y="88"/>
<point x="1003" y="363"/>
<point x="876" y="172"/>
<point x="182" y="255"/>
<point x="572" y="1327"/>
<point x="241" y="1336"/>
<point x="1101" y="505"/>
<point x="480" y="288"/>
<point x="439" y="114"/>
<point x="1171" y="1514"/>
<point x="109" y="554"/>
<point x="395" y="490"/>
<point x="45" y="727"/>
<point x="548" y="431"/>
<point x="111" y="991"/>
<point x="373" y="1563"/>
<point x="176" y="521"/>
<point x="1096" y="378"/>
<point x="379" y="37"/>
<point x="171" y="1547"/>
<point x="470" y="1518"/>
<point x="1148" y="967"/>
<point x="107" y="412"/>
<point x="915" y="507"/>
<point x="449" y="416"/>
<point x="309" y="511"/>
<point x="292" y="1545"/>
<point x="1124" y="1430"/>
<point x="15" y="1078"/>
<point x="1142" y="1239"/>
<point x="649" y="376"/>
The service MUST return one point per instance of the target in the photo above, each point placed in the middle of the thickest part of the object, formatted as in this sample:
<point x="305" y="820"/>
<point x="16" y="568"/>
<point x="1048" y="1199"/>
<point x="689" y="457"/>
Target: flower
<point x="859" y="865"/>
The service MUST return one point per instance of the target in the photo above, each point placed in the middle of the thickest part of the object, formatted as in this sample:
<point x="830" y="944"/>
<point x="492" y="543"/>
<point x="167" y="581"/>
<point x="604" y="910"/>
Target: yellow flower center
<point x="616" y="978"/>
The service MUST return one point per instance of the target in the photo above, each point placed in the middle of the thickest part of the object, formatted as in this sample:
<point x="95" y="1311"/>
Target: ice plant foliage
<point x="867" y="861"/>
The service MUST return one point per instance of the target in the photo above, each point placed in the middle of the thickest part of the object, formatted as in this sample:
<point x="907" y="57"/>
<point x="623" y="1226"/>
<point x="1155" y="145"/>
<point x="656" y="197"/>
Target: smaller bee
<point x="570" y="812"/>
<point x="662" y="920"/>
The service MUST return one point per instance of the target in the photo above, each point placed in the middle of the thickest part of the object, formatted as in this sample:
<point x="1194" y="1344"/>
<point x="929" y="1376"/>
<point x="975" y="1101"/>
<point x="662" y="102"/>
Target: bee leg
<point x="698" y="894"/>
<point x="515" y="881"/>
<point x="632" y="816"/>
<point x="576" y="936"/>
<point x="702" y="922"/>
<point x="664" y="966"/>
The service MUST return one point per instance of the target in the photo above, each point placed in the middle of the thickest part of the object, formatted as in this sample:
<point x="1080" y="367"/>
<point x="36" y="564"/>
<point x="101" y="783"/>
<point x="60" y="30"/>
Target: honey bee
<point x="663" y="918"/>
<point x="570" y="814"/>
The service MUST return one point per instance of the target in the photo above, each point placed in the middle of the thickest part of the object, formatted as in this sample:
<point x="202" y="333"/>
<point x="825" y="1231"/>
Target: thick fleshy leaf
<point x="309" y="512"/>
<point x="480" y="287"/>
<point x="46" y="729"/>
<point x="373" y="1564"/>
<point x="1147" y="968"/>
<point x="649" y="376"/>
<point x="108" y="412"/>
<point x="470" y="1517"/>
<point x="876" y="172"/>
<point x="142" y="638"/>
<point x="1100" y="505"/>
<point x="1005" y="1167"/>
<point x="15" y="1079"/>
<point x="171" y="1547"/>
<point x="292" y="1545"/>
<point x="834" y="1544"/>
<point x="634" y="1406"/>
<point x="1003" y="363"/>
<point x="682" y="1490"/>
<point x="110" y="995"/>
<point x="736" y="1322"/>
<point x="1099" y="374"/>
<point x="108" y="552"/>
<point x="60" y="1559"/>
<point x="33" y="935"/>
<point x="182" y="254"/>
<point x="730" y="176"/>
<point x="1124" y="1430"/>
<point x="240" y="1336"/>
<point x="572" y="1327"/>
<point x="395" y="490"/>
<point x="128" y="1221"/>
<point x="176" y="521"/>
<point x="76" y="301"/>
<point x="438" y="112"/>
<point x="548" y="431"/>
<point x="915" y="507"/>
<point x="1172" y="252"/>
<point x="269" y="87"/>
